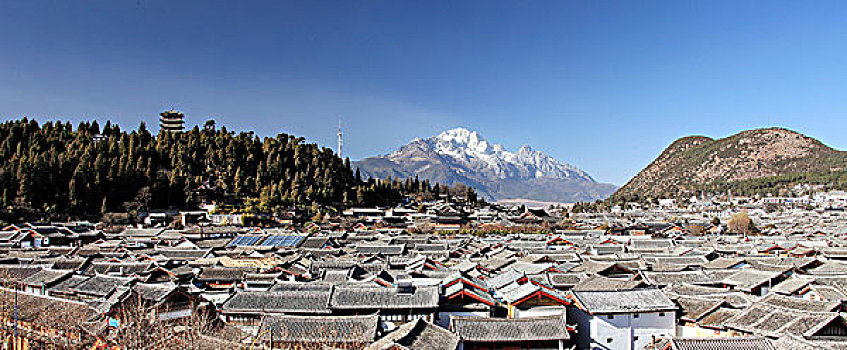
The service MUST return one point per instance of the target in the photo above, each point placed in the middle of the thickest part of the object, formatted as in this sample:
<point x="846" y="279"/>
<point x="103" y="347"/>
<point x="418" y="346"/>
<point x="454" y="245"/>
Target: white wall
<point x="619" y="331"/>
<point x="231" y="219"/>
<point x="652" y="324"/>
<point x="694" y="331"/>
<point x="539" y="311"/>
<point x="34" y="290"/>
<point x="610" y="332"/>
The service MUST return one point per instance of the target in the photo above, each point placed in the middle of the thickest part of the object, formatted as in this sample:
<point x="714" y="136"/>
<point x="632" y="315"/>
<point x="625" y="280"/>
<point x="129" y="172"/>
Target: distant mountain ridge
<point x="752" y="161"/>
<point x="463" y="156"/>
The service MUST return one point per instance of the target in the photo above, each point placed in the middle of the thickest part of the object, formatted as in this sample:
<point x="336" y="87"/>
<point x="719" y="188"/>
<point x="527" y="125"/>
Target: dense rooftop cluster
<point x="360" y="279"/>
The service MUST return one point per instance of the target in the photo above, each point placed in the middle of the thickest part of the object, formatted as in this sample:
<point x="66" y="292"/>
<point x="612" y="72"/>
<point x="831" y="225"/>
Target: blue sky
<point x="604" y="85"/>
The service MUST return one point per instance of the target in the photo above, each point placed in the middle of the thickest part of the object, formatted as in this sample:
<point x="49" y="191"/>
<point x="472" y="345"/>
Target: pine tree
<point x="58" y="167"/>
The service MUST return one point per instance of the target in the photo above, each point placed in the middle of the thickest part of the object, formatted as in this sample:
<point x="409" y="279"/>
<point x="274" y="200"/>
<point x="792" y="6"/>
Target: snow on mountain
<point x="463" y="156"/>
<point x="472" y="151"/>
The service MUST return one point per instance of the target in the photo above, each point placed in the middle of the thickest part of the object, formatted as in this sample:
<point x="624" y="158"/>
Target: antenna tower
<point x="340" y="143"/>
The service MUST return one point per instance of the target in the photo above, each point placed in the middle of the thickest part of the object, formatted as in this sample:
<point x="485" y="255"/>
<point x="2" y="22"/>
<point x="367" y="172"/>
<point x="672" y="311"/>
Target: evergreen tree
<point x="54" y="166"/>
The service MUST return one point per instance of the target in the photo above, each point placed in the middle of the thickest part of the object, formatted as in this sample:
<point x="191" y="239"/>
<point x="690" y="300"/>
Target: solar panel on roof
<point x="282" y="241"/>
<point x="244" y="241"/>
<point x="270" y="241"/>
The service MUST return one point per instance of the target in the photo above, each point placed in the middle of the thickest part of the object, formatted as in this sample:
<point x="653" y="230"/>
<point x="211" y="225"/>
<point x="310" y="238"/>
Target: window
<point x="661" y="314"/>
<point x="635" y="338"/>
<point x="611" y="317"/>
<point x="392" y="317"/>
<point x="636" y="316"/>
<point x="242" y="319"/>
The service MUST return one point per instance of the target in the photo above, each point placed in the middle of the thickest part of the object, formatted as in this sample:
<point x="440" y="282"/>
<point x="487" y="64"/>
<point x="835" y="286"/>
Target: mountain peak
<point x="460" y="136"/>
<point x="525" y="149"/>
<point x="457" y="132"/>
<point x="460" y="155"/>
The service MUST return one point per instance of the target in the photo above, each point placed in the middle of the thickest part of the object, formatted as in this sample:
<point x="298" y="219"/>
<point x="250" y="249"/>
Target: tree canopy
<point x="55" y="170"/>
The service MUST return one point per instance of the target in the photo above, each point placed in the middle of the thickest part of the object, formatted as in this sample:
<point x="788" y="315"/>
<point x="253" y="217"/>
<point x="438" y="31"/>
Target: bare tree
<point x="696" y="229"/>
<point x="741" y="223"/>
<point x="45" y="321"/>
<point x="141" y="327"/>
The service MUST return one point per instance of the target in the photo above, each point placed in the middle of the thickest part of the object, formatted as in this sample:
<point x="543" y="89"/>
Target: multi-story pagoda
<point x="172" y="121"/>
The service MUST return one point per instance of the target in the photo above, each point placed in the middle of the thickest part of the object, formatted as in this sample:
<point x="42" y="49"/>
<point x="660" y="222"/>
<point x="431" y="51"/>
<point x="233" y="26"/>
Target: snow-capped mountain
<point x="471" y="151"/>
<point x="463" y="156"/>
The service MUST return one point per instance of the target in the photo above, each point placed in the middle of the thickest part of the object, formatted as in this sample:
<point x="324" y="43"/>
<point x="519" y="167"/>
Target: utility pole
<point x="16" y="347"/>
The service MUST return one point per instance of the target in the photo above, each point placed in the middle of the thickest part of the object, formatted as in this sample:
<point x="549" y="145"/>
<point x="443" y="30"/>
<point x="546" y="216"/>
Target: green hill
<point x="751" y="162"/>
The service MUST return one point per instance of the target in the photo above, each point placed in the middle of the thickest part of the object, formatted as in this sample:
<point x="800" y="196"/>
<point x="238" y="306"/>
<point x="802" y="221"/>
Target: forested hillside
<point x="53" y="170"/>
<point x="760" y="161"/>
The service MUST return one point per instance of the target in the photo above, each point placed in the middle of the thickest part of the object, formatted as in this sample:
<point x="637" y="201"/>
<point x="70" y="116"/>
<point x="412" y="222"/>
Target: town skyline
<point x="423" y="175"/>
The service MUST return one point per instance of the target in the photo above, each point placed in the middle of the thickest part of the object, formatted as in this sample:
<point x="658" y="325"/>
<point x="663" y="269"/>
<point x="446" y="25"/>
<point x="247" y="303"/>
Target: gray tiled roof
<point x="688" y="289"/>
<point x="530" y="268"/>
<point x="514" y="292"/>
<point x="384" y="249"/>
<point x="776" y="316"/>
<point x="182" y="254"/>
<point x="322" y="329"/>
<point x="69" y="264"/>
<point x="565" y="280"/>
<point x="296" y="302"/>
<point x="154" y="291"/>
<point x="831" y="267"/>
<point x="791" y="285"/>
<point x="299" y="286"/>
<point x="498" y="330"/>
<point x="793" y="342"/>
<point x="829" y="293"/>
<point x="101" y="285"/>
<point x="223" y="274"/>
<point x="734" y="343"/>
<point x="17" y="272"/>
<point x="599" y="283"/>
<point x="624" y="301"/>
<point x="694" y="309"/>
<point x="666" y="278"/>
<point x="502" y="279"/>
<point x="461" y="286"/>
<point x="124" y="268"/>
<point x="800" y="304"/>
<point x="718" y="317"/>
<point x="746" y="279"/>
<point x="46" y="277"/>
<point x="417" y="335"/>
<point x="67" y="285"/>
<point x="383" y="298"/>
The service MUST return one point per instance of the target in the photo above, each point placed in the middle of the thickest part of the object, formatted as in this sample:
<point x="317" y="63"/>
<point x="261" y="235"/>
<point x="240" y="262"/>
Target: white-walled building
<point x="667" y="203"/>
<point x="226" y="219"/>
<point x="624" y="319"/>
